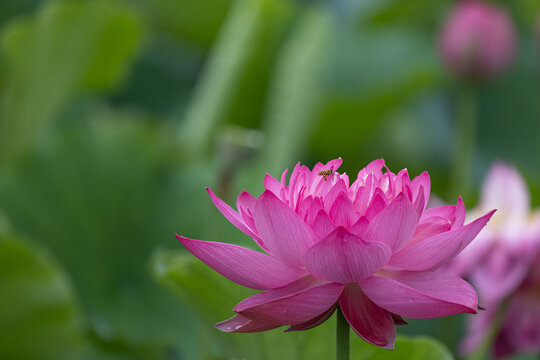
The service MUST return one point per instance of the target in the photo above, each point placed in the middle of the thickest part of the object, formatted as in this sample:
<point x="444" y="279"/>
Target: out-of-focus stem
<point x="342" y="337"/>
<point x="464" y="141"/>
<point x="486" y="346"/>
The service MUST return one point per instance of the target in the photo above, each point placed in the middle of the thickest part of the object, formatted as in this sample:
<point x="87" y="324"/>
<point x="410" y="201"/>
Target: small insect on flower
<point x="325" y="173"/>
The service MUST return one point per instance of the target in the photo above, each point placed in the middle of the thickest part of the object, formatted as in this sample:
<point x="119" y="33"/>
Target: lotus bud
<point x="478" y="40"/>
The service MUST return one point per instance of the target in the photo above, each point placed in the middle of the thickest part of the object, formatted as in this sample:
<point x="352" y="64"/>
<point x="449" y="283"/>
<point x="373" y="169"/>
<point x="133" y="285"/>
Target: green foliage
<point x="108" y="183"/>
<point x="297" y="89"/>
<point x="414" y="348"/>
<point x="65" y="47"/>
<point x="39" y="318"/>
<point x="189" y="21"/>
<point x="231" y="82"/>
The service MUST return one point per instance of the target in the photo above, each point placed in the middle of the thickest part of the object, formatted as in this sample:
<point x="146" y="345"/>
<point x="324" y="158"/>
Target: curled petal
<point x="459" y="215"/>
<point x="343" y="257"/>
<point x="244" y="266"/>
<point x="432" y="252"/>
<point x="245" y="202"/>
<point x="430" y="227"/>
<point x="398" y="320"/>
<point x="234" y="217"/>
<point x="283" y="232"/>
<point x="271" y="184"/>
<point x="420" y="203"/>
<point x="445" y="211"/>
<point x="421" y="295"/>
<point x="371" y="322"/>
<point x="403" y="184"/>
<point x="316" y="321"/>
<point x="295" y="303"/>
<point x="421" y="185"/>
<point x="284" y="177"/>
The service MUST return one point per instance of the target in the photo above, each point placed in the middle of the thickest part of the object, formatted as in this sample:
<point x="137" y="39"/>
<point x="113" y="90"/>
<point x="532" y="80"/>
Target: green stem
<point x="342" y="337"/>
<point x="464" y="144"/>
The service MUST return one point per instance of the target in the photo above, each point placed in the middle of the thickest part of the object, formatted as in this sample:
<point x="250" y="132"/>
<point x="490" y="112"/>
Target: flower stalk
<point x="342" y="337"/>
<point x="483" y="351"/>
<point x="464" y="145"/>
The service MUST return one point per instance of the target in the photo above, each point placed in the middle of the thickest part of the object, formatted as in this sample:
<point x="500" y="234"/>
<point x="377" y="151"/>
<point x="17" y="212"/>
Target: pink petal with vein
<point x="419" y="203"/>
<point x="273" y="185"/>
<point x="430" y="227"/>
<point x="459" y="215"/>
<point x="316" y="321"/>
<point x="295" y="303"/>
<point x="377" y="204"/>
<point x="333" y="194"/>
<point x="445" y="211"/>
<point x="421" y="295"/>
<point x="343" y="212"/>
<point x="359" y="227"/>
<point x="421" y="184"/>
<point x="285" y="234"/>
<point x="371" y="322"/>
<point x="244" y="266"/>
<point x="315" y="207"/>
<point x="241" y="324"/>
<point x="373" y="167"/>
<point x="344" y="258"/>
<point x="394" y="225"/>
<point x="430" y="253"/>
<point x="245" y="202"/>
<point x="323" y="225"/>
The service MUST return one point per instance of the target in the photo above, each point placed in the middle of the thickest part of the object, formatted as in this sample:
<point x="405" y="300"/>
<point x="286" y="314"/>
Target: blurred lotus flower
<point x="520" y="330"/>
<point x="369" y="247"/>
<point x="477" y="40"/>
<point x="499" y="259"/>
<point x="500" y="263"/>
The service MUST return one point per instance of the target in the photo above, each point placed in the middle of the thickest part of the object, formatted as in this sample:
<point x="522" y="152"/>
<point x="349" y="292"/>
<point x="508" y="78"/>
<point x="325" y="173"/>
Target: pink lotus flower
<point x="478" y="40"/>
<point x="501" y="259"/>
<point x="369" y="247"/>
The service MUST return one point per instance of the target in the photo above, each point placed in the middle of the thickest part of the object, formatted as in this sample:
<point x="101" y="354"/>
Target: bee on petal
<point x="325" y="173"/>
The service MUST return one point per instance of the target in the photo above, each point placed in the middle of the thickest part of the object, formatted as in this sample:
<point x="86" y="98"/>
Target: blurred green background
<point x="114" y="116"/>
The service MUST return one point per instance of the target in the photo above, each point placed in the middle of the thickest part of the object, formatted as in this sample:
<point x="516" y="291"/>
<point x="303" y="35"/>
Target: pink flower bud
<point x="477" y="40"/>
